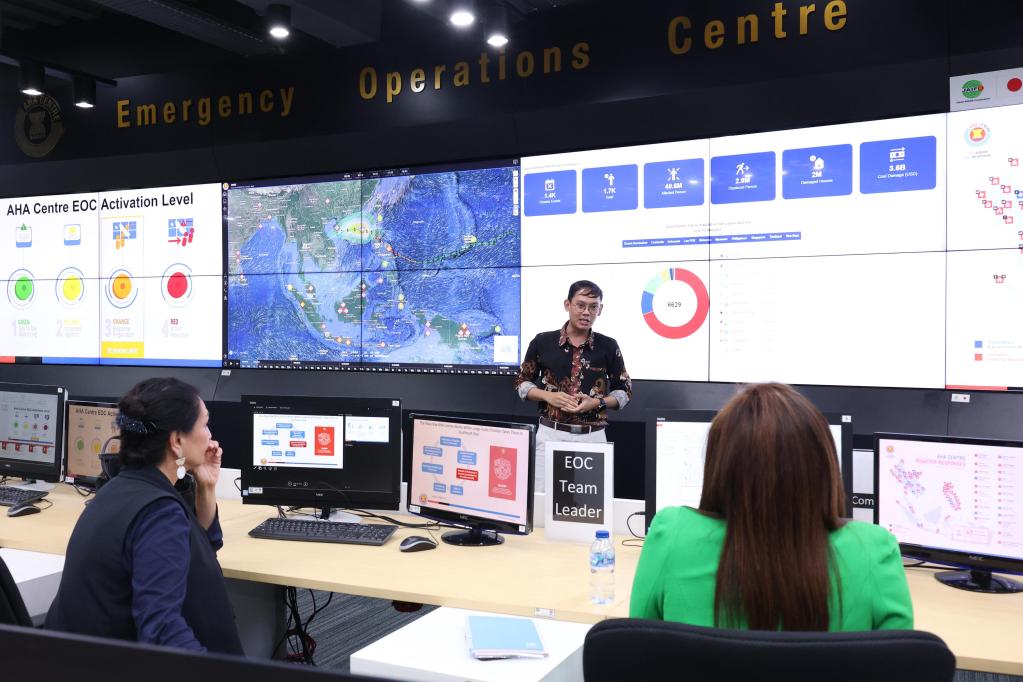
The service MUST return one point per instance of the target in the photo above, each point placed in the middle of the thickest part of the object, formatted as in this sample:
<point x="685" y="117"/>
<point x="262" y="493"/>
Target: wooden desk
<point x="519" y="577"/>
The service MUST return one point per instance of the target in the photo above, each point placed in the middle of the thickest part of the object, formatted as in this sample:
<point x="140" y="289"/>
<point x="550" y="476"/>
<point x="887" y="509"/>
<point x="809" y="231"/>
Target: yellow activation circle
<point x="72" y="288"/>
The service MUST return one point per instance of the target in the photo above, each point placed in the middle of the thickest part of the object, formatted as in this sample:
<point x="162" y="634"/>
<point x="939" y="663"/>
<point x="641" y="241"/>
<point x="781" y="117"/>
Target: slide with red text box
<point x="297" y="440"/>
<point x="472" y="469"/>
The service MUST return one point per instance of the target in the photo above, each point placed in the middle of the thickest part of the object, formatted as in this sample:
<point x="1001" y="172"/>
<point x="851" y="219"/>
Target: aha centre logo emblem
<point x="38" y="126"/>
<point x="977" y="134"/>
<point x="323" y="438"/>
<point x="502" y="468"/>
<point x="973" y="89"/>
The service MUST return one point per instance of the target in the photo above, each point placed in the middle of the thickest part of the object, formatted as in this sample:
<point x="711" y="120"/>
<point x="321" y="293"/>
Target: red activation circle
<point x="1014" y="84"/>
<point x="177" y="285"/>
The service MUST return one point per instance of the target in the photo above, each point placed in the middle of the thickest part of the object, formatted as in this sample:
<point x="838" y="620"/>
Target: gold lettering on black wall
<point x="204" y="110"/>
<point x="718" y="33"/>
<point x="523" y="64"/>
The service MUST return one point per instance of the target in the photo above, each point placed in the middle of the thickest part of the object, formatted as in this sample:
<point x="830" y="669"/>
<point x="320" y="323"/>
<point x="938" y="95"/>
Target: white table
<point x="37" y="576"/>
<point x="433" y="648"/>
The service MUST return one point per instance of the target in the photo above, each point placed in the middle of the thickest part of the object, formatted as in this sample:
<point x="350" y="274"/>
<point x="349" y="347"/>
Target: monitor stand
<point x="978" y="581"/>
<point x="474" y="537"/>
<point x="338" y="515"/>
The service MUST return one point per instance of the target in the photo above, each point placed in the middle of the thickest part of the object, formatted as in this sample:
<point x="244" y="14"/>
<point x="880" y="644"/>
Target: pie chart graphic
<point x="21" y="288"/>
<point x="176" y="285"/>
<point x="121" y="288"/>
<point x="675" y="303"/>
<point x="70" y="287"/>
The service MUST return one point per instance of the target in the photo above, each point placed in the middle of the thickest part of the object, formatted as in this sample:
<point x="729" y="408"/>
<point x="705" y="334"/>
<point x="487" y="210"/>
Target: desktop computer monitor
<point x="326" y="453"/>
<point x="32" y="431"/>
<point x="954" y="501"/>
<point x="472" y="473"/>
<point x="676" y="445"/>
<point x="91" y="431"/>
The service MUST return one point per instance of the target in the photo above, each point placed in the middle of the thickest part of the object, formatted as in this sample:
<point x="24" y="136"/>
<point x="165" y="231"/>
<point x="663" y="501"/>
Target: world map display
<point x="407" y="269"/>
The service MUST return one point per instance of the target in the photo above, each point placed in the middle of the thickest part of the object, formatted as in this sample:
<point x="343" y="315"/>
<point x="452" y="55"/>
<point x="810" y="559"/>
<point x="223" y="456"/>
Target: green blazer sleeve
<point x="892" y="607"/>
<point x="648" y="586"/>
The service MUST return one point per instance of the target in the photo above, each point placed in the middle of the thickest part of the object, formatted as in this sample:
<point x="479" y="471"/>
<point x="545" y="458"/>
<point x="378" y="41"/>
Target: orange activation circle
<point x="122" y="286"/>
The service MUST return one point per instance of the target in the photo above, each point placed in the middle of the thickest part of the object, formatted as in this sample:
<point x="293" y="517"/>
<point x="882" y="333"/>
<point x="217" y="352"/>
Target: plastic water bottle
<point x="602" y="569"/>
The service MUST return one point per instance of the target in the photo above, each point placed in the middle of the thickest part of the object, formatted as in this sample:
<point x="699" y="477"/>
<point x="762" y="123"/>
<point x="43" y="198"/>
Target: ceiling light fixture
<point x="462" y="14"/>
<point x="278" y="21"/>
<point x="497" y="26"/>
<point x="84" y="89"/>
<point x="30" y="81"/>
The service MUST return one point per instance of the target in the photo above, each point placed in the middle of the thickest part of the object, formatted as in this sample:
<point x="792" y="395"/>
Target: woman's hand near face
<point x="207" y="473"/>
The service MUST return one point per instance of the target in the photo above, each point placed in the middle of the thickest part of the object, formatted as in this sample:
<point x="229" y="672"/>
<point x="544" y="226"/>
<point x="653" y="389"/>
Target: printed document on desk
<point x="503" y="637"/>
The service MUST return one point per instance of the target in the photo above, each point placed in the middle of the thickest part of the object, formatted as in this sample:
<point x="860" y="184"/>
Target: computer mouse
<point x="416" y="543"/>
<point x="23" y="509"/>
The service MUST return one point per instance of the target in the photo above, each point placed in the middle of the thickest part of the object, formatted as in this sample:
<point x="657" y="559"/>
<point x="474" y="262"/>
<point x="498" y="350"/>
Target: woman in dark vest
<point x="141" y="564"/>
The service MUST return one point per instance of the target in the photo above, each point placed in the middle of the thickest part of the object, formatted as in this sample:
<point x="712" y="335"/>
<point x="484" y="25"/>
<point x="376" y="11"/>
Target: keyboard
<point x="323" y="531"/>
<point x="11" y="496"/>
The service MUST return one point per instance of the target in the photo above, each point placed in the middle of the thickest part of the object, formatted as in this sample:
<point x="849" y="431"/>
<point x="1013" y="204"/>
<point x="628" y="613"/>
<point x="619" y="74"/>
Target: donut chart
<point x="121" y="289"/>
<point x="663" y="282"/>
<point x="176" y="285"/>
<point x="70" y="287"/>
<point x="21" y="288"/>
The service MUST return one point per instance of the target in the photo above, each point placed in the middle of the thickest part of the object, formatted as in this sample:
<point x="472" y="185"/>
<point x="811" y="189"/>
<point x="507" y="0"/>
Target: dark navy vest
<point x="95" y="591"/>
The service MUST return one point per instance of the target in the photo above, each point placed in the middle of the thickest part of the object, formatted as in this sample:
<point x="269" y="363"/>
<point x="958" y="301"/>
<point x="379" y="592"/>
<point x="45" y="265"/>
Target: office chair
<point x="634" y="649"/>
<point x="31" y="655"/>
<point x="12" y="606"/>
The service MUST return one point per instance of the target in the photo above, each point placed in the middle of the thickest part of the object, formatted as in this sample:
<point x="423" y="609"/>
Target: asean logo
<point x="323" y="438"/>
<point x="38" y="126"/>
<point x="502" y="468"/>
<point x="977" y="134"/>
<point x="973" y="89"/>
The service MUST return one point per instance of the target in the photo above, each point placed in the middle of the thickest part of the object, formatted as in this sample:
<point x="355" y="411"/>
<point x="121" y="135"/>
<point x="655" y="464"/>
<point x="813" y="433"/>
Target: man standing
<point x="575" y="374"/>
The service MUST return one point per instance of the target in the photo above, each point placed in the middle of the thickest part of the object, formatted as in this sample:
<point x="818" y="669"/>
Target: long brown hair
<point x="771" y="472"/>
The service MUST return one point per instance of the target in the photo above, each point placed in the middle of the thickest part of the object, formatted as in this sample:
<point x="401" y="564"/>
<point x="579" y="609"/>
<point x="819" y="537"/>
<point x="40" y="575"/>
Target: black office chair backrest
<point x="12" y="606"/>
<point x="634" y="649"/>
<point x="31" y="655"/>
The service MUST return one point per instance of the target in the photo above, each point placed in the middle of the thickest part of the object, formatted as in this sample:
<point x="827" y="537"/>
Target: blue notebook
<point x="503" y="637"/>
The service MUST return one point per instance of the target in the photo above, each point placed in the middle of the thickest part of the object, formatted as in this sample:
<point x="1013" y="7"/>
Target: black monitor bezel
<point x="68" y="476"/>
<point x="320" y="498"/>
<point x="941" y="555"/>
<point x="845" y="457"/>
<point x="467" y="520"/>
<point x="50" y="472"/>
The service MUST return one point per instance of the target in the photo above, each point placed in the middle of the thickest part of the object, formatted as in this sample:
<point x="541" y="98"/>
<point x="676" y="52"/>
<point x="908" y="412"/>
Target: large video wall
<point x="881" y="253"/>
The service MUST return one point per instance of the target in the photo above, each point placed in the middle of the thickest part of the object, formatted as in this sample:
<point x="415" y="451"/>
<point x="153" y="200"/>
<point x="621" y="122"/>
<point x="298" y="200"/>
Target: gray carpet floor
<point x="350" y="623"/>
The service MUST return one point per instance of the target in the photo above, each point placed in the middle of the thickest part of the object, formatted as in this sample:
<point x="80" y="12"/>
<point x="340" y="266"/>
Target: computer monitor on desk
<point x="676" y="444"/>
<point x="31" y="431"/>
<point x="954" y="501"/>
<point x="326" y="453"/>
<point x="472" y="473"/>
<point x="91" y="431"/>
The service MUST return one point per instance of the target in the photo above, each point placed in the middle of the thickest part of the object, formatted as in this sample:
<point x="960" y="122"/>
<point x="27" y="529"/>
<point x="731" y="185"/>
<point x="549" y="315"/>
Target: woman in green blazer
<point x="767" y="548"/>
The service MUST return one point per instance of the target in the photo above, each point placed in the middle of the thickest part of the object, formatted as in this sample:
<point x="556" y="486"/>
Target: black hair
<point x="586" y="288"/>
<point x="149" y="412"/>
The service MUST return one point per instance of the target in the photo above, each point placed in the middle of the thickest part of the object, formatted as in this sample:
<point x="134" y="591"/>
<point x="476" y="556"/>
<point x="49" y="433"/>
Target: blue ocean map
<point x="414" y="269"/>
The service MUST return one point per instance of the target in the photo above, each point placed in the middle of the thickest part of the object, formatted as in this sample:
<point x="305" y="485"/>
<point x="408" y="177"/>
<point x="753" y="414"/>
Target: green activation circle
<point x="23" y="288"/>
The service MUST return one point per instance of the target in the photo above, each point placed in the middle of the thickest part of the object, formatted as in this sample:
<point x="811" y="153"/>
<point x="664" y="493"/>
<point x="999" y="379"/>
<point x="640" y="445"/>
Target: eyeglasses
<point x="583" y="308"/>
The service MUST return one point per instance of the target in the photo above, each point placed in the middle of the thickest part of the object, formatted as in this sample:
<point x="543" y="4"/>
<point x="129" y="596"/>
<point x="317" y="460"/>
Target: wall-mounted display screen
<point x="130" y="277"/>
<point x="879" y="253"/>
<point x="400" y="268"/>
